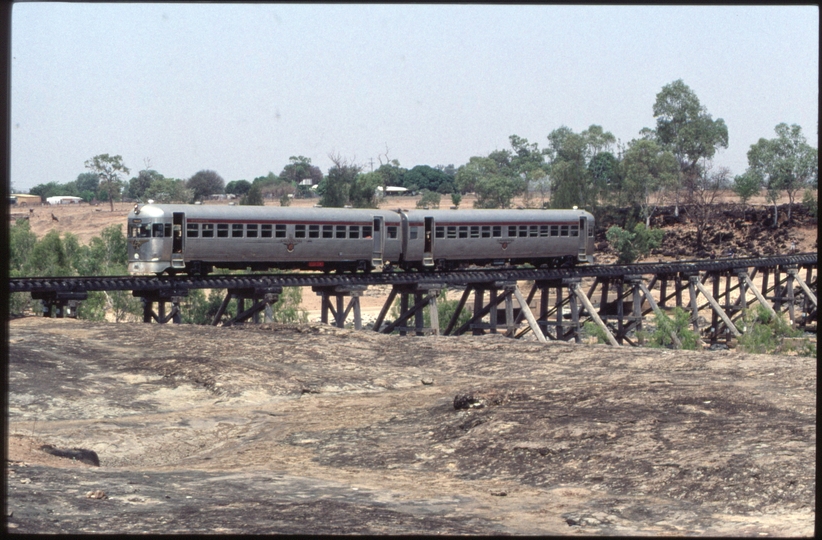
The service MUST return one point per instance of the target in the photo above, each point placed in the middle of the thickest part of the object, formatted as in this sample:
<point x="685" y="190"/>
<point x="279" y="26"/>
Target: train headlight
<point x="136" y="255"/>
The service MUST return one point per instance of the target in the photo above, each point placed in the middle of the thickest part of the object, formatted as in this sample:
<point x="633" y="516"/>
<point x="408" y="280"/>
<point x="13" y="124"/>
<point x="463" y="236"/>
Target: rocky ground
<point x="311" y="429"/>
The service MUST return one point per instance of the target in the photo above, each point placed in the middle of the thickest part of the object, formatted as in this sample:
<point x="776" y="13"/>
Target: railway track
<point x="463" y="277"/>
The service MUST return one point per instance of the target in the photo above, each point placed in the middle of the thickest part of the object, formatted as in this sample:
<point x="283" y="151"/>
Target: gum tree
<point x="108" y="169"/>
<point x="785" y="163"/>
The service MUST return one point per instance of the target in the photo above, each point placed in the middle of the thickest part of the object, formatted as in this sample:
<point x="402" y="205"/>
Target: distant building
<point x="24" y="199"/>
<point x="390" y="190"/>
<point x="63" y="199"/>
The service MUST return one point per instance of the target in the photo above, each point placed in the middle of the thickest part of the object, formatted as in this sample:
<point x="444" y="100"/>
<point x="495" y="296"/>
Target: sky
<point x="240" y="88"/>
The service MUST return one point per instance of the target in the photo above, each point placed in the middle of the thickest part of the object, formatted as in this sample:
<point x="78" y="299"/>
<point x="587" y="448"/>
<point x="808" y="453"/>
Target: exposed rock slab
<point x="284" y="429"/>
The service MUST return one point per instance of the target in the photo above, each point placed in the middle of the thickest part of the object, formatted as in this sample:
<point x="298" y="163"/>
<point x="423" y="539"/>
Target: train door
<point x="582" y="246"/>
<point x="177" y="240"/>
<point x="379" y="242"/>
<point x="428" y="249"/>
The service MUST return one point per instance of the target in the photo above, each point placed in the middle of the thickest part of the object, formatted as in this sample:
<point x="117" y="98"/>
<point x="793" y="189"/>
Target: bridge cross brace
<point x="424" y="294"/>
<point x="261" y="299"/>
<point x="338" y="309"/>
<point x="161" y="297"/>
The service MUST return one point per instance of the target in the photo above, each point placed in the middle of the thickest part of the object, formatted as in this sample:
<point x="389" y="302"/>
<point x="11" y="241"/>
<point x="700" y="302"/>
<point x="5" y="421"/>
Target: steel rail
<point x="461" y="277"/>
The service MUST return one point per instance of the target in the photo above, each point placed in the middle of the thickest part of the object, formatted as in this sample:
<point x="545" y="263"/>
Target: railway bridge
<point x="558" y="302"/>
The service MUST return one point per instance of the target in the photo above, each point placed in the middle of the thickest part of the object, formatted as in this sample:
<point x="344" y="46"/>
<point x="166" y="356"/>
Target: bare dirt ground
<point x="311" y="429"/>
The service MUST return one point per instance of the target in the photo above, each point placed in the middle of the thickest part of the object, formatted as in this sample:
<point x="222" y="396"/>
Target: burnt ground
<point x="311" y="429"/>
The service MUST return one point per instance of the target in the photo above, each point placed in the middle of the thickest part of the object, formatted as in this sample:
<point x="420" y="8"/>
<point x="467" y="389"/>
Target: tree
<point x="684" y="127"/>
<point x="498" y="191"/>
<point x="424" y="177"/>
<point x="204" y="184"/>
<point x="138" y="185"/>
<point x="747" y="185"/>
<point x="363" y="192"/>
<point x="108" y="170"/>
<point x="469" y="175"/>
<point x="337" y="184"/>
<point x="701" y="209"/>
<point x="429" y="199"/>
<point x="632" y="246"/>
<point x="786" y="163"/>
<point x="299" y="169"/>
<point x="52" y="189"/>
<point x="606" y="177"/>
<point x="238" y="187"/>
<point x="647" y="170"/>
<point x="167" y="190"/>
<point x="87" y="181"/>
<point x="254" y="197"/>
<point x="456" y="199"/>
<point x="570" y="155"/>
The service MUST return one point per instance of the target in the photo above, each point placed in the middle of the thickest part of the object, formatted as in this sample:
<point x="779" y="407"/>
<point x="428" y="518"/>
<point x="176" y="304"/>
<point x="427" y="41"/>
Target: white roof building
<point x="63" y="199"/>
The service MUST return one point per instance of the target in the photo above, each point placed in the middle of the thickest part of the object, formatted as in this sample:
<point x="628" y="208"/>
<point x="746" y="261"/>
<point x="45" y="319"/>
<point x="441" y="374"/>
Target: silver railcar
<point x="449" y="239"/>
<point x="198" y="238"/>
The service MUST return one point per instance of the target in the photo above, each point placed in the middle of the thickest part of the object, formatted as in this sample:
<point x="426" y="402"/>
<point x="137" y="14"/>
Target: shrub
<point x="632" y="246"/>
<point x="765" y="334"/>
<point x="679" y="325"/>
<point x="430" y="199"/>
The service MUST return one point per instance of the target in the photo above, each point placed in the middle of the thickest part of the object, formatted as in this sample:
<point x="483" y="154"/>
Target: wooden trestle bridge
<point x="559" y="302"/>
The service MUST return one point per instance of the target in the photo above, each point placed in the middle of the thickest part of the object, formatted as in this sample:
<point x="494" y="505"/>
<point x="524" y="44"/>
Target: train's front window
<point x="141" y="230"/>
<point x="158" y="230"/>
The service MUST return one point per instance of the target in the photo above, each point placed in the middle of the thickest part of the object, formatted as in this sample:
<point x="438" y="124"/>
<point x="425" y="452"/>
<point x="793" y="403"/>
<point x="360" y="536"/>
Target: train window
<point x="313" y="231"/>
<point x="328" y="231"/>
<point x="554" y="230"/>
<point x="392" y="232"/>
<point x="523" y="230"/>
<point x="168" y="230"/>
<point x="452" y="232"/>
<point x="265" y="231"/>
<point x="354" y="231"/>
<point x="543" y="230"/>
<point x="299" y="231"/>
<point x="412" y="233"/>
<point x="574" y="230"/>
<point x="192" y="230"/>
<point x="208" y="230"/>
<point x="340" y="231"/>
<point x="486" y="231"/>
<point x="474" y="231"/>
<point x="366" y="231"/>
<point x="533" y="230"/>
<point x="222" y="230"/>
<point x="251" y="230"/>
<point x="463" y="231"/>
<point x="236" y="230"/>
<point x="157" y="230"/>
<point x="439" y="232"/>
<point x="590" y="231"/>
<point x="496" y="231"/>
<point x="279" y="231"/>
<point x="563" y="230"/>
<point x="512" y="230"/>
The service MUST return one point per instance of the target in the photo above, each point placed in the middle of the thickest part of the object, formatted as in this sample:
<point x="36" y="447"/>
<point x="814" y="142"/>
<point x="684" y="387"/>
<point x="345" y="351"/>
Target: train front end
<point x="149" y="240"/>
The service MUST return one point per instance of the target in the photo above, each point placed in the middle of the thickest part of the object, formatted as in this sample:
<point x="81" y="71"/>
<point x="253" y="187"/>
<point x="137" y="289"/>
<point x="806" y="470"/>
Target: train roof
<point x="499" y="215"/>
<point x="288" y="213"/>
<point x="213" y="211"/>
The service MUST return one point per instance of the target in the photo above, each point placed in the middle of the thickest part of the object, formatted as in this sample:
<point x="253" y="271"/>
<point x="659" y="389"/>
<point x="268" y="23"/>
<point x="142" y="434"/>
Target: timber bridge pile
<point x="615" y="297"/>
